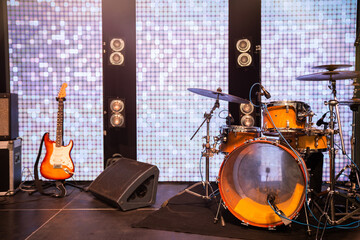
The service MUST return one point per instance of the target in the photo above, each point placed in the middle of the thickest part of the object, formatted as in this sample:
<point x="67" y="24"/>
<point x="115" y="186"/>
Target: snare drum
<point x="287" y="116"/>
<point x="256" y="170"/>
<point x="313" y="141"/>
<point x="233" y="136"/>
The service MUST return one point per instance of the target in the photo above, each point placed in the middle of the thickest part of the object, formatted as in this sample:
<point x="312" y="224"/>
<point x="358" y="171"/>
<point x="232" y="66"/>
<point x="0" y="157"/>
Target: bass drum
<point x="259" y="169"/>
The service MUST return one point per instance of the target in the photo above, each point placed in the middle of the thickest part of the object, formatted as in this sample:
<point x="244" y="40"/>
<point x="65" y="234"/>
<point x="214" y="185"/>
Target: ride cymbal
<point x="218" y="95"/>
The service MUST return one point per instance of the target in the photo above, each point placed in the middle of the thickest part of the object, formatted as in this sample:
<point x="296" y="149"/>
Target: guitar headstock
<point x="62" y="92"/>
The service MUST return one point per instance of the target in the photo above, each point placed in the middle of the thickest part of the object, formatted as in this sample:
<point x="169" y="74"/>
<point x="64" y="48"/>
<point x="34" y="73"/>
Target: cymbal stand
<point x="209" y="152"/>
<point x="334" y="111"/>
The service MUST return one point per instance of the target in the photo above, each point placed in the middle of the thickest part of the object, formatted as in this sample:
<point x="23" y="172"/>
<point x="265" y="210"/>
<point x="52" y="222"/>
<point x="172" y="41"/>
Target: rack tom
<point x="233" y="136"/>
<point x="314" y="140"/>
<point x="287" y="116"/>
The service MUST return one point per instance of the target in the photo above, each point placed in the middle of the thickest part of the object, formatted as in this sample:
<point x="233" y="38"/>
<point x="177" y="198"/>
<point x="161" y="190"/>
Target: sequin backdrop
<point x="180" y="44"/>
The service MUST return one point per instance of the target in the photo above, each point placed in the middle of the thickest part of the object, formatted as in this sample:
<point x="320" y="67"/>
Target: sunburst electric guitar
<point x="57" y="163"/>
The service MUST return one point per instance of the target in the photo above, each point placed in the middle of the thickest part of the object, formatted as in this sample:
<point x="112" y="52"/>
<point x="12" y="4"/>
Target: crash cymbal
<point x="332" y="67"/>
<point x="330" y="75"/>
<point x="218" y="94"/>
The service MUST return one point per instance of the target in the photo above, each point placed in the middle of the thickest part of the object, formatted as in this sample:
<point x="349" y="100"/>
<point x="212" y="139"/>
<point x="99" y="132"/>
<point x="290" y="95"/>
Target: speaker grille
<point x="9" y="125"/>
<point x="4" y="117"/>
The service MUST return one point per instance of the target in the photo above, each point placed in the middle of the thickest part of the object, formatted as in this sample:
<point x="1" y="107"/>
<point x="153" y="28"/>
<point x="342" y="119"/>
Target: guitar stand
<point x="41" y="185"/>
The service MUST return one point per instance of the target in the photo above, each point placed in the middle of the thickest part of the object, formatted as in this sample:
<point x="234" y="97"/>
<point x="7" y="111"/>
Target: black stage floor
<point x="80" y="215"/>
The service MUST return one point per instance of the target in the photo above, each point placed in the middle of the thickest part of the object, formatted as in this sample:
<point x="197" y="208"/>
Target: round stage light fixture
<point x="117" y="44"/>
<point x="244" y="59"/>
<point x="116" y="58"/>
<point x="117" y="105"/>
<point x="243" y="45"/>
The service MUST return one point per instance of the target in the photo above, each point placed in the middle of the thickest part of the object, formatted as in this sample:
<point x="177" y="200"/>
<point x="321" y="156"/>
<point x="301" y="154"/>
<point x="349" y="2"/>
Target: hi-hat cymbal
<point x="330" y="75"/>
<point x="332" y="67"/>
<point x="218" y="94"/>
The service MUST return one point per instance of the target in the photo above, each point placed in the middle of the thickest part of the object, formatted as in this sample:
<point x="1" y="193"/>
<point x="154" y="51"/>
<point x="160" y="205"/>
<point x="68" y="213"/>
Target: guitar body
<point x="57" y="163"/>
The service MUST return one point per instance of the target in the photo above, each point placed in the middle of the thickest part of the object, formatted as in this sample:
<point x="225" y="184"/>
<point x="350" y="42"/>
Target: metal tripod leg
<point x="307" y="220"/>
<point x="216" y="218"/>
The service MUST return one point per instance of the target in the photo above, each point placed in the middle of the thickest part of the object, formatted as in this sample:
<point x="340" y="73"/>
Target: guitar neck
<point x="60" y="123"/>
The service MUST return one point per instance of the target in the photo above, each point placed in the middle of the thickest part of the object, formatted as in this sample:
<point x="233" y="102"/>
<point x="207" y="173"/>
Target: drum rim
<point x="247" y="129"/>
<point x="301" y="166"/>
<point x="284" y="103"/>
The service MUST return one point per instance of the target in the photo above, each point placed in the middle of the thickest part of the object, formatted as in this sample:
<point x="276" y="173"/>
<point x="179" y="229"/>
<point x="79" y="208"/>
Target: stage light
<point x="246" y="108"/>
<point x="117" y="105"/>
<point x="246" y="115"/>
<point x="244" y="52"/>
<point x="243" y="45"/>
<point x="117" y="44"/>
<point x="116" y="113"/>
<point x="244" y="60"/>
<point x="247" y="121"/>
<point x="116" y="58"/>
<point x="117" y="120"/>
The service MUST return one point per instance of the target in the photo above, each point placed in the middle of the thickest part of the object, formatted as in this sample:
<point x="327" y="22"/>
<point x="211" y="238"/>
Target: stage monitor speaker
<point x="127" y="184"/>
<point x="9" y="125"/>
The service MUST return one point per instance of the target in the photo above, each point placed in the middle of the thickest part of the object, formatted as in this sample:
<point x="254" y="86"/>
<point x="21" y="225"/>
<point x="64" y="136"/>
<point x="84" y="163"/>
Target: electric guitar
<point x="57" y="163"/>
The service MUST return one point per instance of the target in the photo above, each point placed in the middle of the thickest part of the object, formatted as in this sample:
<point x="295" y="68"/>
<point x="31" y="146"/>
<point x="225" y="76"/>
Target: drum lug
<point x="316" y="141"/>
<point x="287" y="108"/>
<point x="244" y="223"/>
<point x="287" y="124"/>
<point x="271" y="228"/>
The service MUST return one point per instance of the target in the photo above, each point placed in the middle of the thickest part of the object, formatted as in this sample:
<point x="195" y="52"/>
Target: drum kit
<point x="263" y="180"/>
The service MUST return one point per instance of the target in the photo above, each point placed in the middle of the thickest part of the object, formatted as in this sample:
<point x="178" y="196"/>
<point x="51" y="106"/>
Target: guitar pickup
<point x="57" y="166"/>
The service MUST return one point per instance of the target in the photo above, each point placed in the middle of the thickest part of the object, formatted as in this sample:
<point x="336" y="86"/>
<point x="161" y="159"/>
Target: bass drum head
<point x="255" y="170"/>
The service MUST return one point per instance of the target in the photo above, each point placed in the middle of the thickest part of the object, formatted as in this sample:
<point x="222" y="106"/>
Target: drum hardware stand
<point x="334" y="111"/>
<point x="216" y="218"/>
<point x="209" y="152"/>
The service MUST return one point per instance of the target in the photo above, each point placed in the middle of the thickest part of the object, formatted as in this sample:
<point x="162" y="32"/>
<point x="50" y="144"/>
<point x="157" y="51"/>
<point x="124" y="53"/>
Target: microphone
<point x="271" y="200"/>
<point x="266" y="93"/>
<point x="229" y="119"/>
<point x="321" y="120"/>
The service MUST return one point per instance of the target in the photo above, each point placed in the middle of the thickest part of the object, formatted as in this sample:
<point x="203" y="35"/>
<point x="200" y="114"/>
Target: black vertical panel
<point x="120" y="80"/>
<point x="4" y="49"/>
<point x="355" y="108"/>
<point x="244" y="22"/>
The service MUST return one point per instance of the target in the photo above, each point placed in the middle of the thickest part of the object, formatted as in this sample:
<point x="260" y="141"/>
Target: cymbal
<point x="332" y="67"/>
<point x="215" y="95"/>
<point x="355" y="84"/>
<point x="330" y="75"/>
<point x="354" y="101"/>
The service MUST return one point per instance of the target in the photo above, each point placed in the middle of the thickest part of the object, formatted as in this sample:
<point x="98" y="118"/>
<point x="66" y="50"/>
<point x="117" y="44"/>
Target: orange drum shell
<point x="284" y="118"/>
<point x="235" y="139"/>
<point x="313" y="142"/>
<point x="225" y="189"/>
